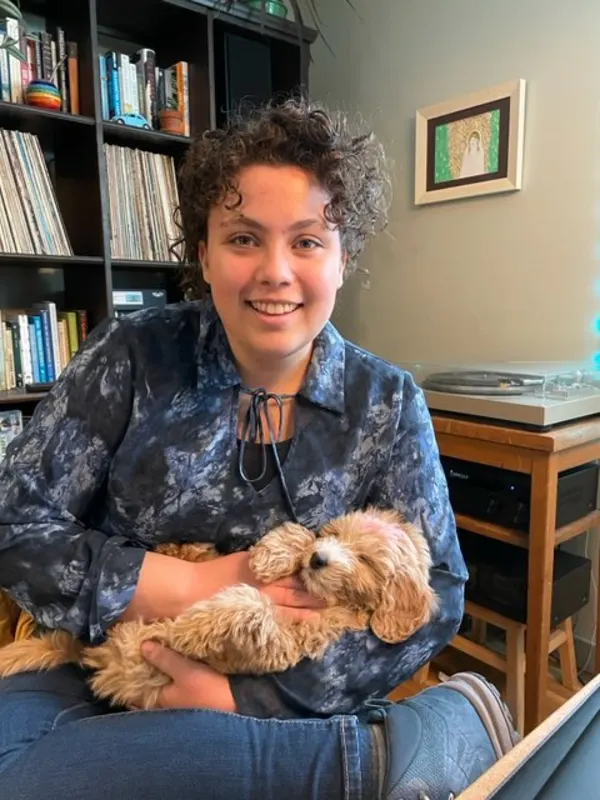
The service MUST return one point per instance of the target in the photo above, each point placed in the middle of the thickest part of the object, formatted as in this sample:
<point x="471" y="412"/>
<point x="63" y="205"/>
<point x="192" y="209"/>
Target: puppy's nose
<point x="317" y="561"/>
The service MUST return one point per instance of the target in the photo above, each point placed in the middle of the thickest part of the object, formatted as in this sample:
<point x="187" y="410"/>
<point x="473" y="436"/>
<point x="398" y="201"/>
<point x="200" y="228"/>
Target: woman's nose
<point x="275" y="267"/>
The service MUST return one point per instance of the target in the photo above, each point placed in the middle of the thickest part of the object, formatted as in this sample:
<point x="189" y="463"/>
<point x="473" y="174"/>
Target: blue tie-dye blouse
<point x="137" y="444"/>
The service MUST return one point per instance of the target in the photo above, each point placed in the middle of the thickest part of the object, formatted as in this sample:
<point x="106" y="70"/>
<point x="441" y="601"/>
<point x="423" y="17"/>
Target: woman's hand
<point x="194" y="685"/>
<point x="169" y="586"/>
<point x="288" y="594"/>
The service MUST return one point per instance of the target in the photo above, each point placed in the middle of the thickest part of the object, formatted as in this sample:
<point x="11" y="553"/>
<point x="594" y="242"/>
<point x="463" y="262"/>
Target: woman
<point x="216" y="420"/>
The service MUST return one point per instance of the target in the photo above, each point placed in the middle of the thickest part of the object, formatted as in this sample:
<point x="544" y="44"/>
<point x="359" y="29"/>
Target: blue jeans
<point x="56" y="742"/>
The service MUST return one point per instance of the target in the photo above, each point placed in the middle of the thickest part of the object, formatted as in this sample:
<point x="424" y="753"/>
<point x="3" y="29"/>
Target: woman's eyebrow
<point x="242" y="219"/>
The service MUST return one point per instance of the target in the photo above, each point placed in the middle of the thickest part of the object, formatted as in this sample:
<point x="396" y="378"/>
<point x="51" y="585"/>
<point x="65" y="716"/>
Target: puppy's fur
<point x="371" y="568"/>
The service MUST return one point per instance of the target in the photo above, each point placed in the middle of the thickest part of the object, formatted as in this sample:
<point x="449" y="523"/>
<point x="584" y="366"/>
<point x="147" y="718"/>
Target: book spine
<point x="55" y="337"/>
<point x="124" y="84"/>
<point x="133" y="89"/>
<point x="16" y="345"/>
<point x="112" y="77"/>
<point x="161" y="90"/>
<point x="73" y="76"/>
<point x="25" y="349"/>
<point x="3" y="365"/>
<point x="48" y="350"/>
<point x="71" y="317"/>
<point x="147" y="59"/>
<point x="182" y="93"/>
<point x="103" y="87"/>
<point x="82" y="324"/>
<point x="26" y="75"/>
<point x="39" y="341"/>
<point x="4" y="73"/>
<point x="9" y="351"/>
<point x="63" y="343"/>
<point x="46" y="42"/>
<point x="35" y="363"/>
<point x="14" y="65"/>
<point x="31" y="58"/>
<point x="39" y="70"/>
<point x="62" y="80"/>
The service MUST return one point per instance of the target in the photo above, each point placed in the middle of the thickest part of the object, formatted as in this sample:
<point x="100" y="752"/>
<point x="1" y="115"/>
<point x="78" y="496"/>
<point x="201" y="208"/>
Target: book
<point x="37" y="343"/>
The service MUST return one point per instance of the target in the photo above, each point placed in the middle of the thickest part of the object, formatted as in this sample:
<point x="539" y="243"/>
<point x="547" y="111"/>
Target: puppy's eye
<point x="365" y="560"/>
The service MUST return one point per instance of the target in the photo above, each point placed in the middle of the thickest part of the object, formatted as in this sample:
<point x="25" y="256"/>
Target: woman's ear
<point x="202" y="258"/>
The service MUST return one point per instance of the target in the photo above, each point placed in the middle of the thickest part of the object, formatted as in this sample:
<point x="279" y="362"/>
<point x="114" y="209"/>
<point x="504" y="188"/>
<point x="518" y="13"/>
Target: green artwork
<point x="493" y="153"/>
<point x="442" y="170"/>
<point x="467" y="147"/>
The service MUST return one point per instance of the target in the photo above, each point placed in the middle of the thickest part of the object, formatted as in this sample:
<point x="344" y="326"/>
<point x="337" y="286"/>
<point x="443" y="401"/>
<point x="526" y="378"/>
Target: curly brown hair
<point x="348" y="162"/>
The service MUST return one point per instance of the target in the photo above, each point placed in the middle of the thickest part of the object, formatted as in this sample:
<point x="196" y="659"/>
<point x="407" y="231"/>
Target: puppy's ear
<point x="407" y="604"/>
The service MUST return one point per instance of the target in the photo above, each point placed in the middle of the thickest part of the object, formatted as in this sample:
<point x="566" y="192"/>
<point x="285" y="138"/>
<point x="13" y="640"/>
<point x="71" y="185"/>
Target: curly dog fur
<point x="370" y="567"/>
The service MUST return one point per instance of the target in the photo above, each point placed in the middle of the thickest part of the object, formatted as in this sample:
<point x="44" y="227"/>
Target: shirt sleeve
<point x="360" y="666"/>
<point x="64" y="573"/>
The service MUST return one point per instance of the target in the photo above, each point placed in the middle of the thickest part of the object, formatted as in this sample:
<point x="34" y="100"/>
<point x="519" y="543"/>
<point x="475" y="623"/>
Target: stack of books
<point x="37" y="343"/>
<point x="30" y="220"/>
<point x="142" y="189"/>
<point x="49" y="56"/>
<point x="134" y="84"/>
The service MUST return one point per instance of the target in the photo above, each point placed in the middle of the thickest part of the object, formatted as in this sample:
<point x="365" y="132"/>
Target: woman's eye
<point x="307" y="244"/>
<point x="243" y="240"/>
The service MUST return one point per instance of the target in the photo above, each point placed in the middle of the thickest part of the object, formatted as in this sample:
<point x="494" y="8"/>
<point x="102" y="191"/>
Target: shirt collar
<point x="324" y="384"/>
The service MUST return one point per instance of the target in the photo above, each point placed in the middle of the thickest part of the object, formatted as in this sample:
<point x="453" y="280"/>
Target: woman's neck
<point x="283" y="377"/>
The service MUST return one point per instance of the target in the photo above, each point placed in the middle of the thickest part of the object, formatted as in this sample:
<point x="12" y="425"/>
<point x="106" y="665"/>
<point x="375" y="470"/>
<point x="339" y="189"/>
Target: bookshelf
<point x="227" y="54"/>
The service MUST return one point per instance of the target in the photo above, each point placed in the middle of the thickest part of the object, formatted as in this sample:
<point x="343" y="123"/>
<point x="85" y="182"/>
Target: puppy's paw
<point x="279" y="552"/>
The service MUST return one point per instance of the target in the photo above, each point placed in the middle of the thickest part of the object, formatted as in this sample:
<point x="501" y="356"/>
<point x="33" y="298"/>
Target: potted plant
<point x="280" y="8"/>
<point x="170" y="118"/>
<point x="9" y="9"/>
<point x="274" y="7"/>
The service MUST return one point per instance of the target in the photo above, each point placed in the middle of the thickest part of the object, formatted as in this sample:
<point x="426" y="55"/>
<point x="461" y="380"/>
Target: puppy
<point x="370" y="568"/>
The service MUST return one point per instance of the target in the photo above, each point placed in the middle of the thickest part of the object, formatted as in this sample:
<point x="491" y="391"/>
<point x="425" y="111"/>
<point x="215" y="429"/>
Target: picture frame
<point x="472" y="145"/>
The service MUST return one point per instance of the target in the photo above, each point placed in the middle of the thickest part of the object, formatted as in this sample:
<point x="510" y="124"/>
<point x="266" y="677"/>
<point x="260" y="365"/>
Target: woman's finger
<point x="164" y="659"/>
<point x="291" y="582"/>
<point x="295" y="598"/>
<point x="297" y="614"/>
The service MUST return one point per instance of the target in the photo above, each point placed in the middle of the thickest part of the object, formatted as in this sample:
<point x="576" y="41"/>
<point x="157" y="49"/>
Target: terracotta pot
<point x="171" y="121"/>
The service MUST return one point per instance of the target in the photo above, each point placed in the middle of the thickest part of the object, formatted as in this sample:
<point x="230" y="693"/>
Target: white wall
<point x="504" y="277"/>
<point x="520" y="268"/>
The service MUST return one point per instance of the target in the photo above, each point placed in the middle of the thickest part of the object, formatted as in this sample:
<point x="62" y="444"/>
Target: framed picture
<point x="471" y="146"/>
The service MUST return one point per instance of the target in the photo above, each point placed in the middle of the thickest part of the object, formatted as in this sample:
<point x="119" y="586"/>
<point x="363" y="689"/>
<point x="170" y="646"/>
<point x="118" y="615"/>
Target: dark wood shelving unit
<point x="128" y="136"/>
<point x="32" y="119"/>
<point x="225" y="50"/>
<point x="130" y="263"/>
<point x="19" y="397"/>
<point x="40" y="261"/>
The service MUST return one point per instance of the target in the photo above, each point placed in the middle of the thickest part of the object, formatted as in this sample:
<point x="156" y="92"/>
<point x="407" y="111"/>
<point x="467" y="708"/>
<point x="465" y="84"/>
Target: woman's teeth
<point x="274" y="309"/>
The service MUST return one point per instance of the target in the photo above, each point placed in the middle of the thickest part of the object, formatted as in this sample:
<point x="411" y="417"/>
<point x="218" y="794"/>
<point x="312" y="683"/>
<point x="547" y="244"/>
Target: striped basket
<point x="43" y="94"/>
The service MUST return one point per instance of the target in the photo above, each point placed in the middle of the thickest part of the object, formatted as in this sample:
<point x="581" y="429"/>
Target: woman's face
<point x="274" y="265"/>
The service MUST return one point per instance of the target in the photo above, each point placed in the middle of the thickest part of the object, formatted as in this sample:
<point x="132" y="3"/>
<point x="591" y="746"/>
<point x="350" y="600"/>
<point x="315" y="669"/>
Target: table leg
<point x="542" y="534"/>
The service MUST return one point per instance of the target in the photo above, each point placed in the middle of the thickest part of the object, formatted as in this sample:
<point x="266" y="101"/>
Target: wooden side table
<point x="543" y="455"/>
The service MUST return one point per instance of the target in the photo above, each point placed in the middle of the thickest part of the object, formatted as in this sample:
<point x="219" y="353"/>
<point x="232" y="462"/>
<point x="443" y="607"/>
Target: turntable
<point x="536" y="394"/>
